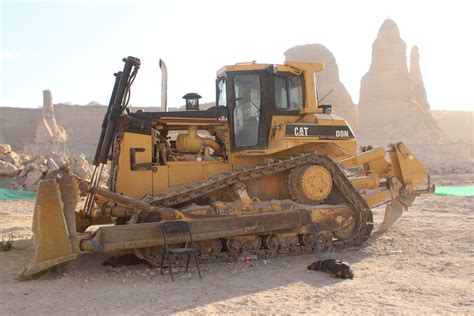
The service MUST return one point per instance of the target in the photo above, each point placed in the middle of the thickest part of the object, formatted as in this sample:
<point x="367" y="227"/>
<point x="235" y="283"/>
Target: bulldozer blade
<point x="393" y="212"/>
<point x="51" y="236"/>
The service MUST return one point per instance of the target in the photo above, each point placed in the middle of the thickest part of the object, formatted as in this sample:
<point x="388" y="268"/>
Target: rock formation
<point x="82" y="123"/>
<point x="339" y="98"/>
<point x="5" y="149"/>
<point x="23" y="171"/>
<point x="8" y="161"/>
<point x="417" y="80"/>
<point x="48" y="130"/>
<point x="389" y="108"/>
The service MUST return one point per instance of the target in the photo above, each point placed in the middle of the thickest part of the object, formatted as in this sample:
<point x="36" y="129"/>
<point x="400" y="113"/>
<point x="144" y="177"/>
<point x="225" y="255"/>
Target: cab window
<point x="281" y="95"/>
<point x="289" y="92"/>
<point x="222" y="92"/>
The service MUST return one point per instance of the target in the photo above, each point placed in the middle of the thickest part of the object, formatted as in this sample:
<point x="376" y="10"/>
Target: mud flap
<point x="393" y="212"/>
<point x="51" y="236"/>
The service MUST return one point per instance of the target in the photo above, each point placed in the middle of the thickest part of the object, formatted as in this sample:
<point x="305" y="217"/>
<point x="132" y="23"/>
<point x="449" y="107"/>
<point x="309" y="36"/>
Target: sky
<point x="74" y="47"/>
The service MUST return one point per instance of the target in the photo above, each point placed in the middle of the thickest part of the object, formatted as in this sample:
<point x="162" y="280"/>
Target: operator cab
<point x="258" y="103"/>
<point x="253" y="94"/>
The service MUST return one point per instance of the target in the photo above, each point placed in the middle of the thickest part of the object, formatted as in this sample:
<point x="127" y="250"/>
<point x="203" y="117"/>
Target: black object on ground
<point x="335" y="268"/>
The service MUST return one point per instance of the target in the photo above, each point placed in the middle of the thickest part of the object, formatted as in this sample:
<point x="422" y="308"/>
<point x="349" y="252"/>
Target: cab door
<point x="247" y="110"/>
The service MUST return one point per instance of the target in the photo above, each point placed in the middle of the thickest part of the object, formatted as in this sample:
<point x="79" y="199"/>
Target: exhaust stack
<point x="164" y="86"/>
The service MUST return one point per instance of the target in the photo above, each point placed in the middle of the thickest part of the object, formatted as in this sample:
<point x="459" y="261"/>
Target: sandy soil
<point x="423" y="265"/>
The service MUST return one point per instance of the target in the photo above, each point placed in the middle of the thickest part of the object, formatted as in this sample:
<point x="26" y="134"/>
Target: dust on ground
<point x="424" y="264"/>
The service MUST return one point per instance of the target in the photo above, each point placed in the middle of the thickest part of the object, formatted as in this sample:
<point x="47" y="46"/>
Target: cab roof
<point x="289" y="66"/>
<point x="243" y="67"/>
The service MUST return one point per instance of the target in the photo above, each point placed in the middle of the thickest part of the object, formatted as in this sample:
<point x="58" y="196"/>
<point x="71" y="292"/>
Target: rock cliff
<point x="49" y="131"/>
<point x="417" y="80"/>
<point x="390" y="108"/>
<point x="339" y="98"/>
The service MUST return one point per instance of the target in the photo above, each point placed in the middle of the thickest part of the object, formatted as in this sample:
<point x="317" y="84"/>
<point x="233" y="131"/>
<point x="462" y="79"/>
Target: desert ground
<point x="423" y="265"/>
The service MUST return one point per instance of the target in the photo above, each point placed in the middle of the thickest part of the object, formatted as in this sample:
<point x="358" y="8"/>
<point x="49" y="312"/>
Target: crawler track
<point x="362" y="213"/>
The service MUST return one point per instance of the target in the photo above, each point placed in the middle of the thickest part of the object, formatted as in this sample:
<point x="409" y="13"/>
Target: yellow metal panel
<point x="185" y="172"/>
<point x="134" y="184"/>
<point x="268" y="188"/>
<point x="160" y="175"/>
<point x="329" y="119"/>
<point x="305" y="66"/>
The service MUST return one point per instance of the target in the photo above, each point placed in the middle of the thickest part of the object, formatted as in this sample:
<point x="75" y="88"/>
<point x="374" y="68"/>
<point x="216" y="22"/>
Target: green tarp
<point x="7" y="194"/>
<point x="467" y="190"/>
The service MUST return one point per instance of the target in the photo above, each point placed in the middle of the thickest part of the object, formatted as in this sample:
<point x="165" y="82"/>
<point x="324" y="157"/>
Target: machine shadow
<point x="221" y="281"/>
<point x="225" y="281"/>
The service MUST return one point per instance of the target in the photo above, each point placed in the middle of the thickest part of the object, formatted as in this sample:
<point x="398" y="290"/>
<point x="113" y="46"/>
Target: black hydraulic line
<point x="116" y="111"/>
<point x="96" y="174"/>
<point x="105" y="121"/>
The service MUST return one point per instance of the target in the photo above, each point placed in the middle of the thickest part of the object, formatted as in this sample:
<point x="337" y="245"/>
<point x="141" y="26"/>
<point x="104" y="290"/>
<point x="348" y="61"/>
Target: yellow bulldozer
<point x="267" y="171"/>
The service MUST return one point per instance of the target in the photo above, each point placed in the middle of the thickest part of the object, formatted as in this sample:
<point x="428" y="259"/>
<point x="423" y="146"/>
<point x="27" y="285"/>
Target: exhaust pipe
<point x="164" y="86"/>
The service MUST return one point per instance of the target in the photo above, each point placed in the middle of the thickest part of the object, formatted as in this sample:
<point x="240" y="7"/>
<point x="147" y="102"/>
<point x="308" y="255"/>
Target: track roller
<point x="240" y="244"/>
<point x="271" y="242"/>
<point x="209" y="247"/>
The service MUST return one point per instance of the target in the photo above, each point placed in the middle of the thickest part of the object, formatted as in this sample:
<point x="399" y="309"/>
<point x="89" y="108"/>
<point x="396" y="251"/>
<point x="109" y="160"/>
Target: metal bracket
<point x="133" y="164"/>
<point x="430" y="187"/>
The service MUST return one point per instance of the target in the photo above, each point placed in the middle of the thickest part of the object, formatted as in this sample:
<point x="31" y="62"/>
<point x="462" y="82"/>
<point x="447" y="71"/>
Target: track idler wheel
<point x="309" y="184"/>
